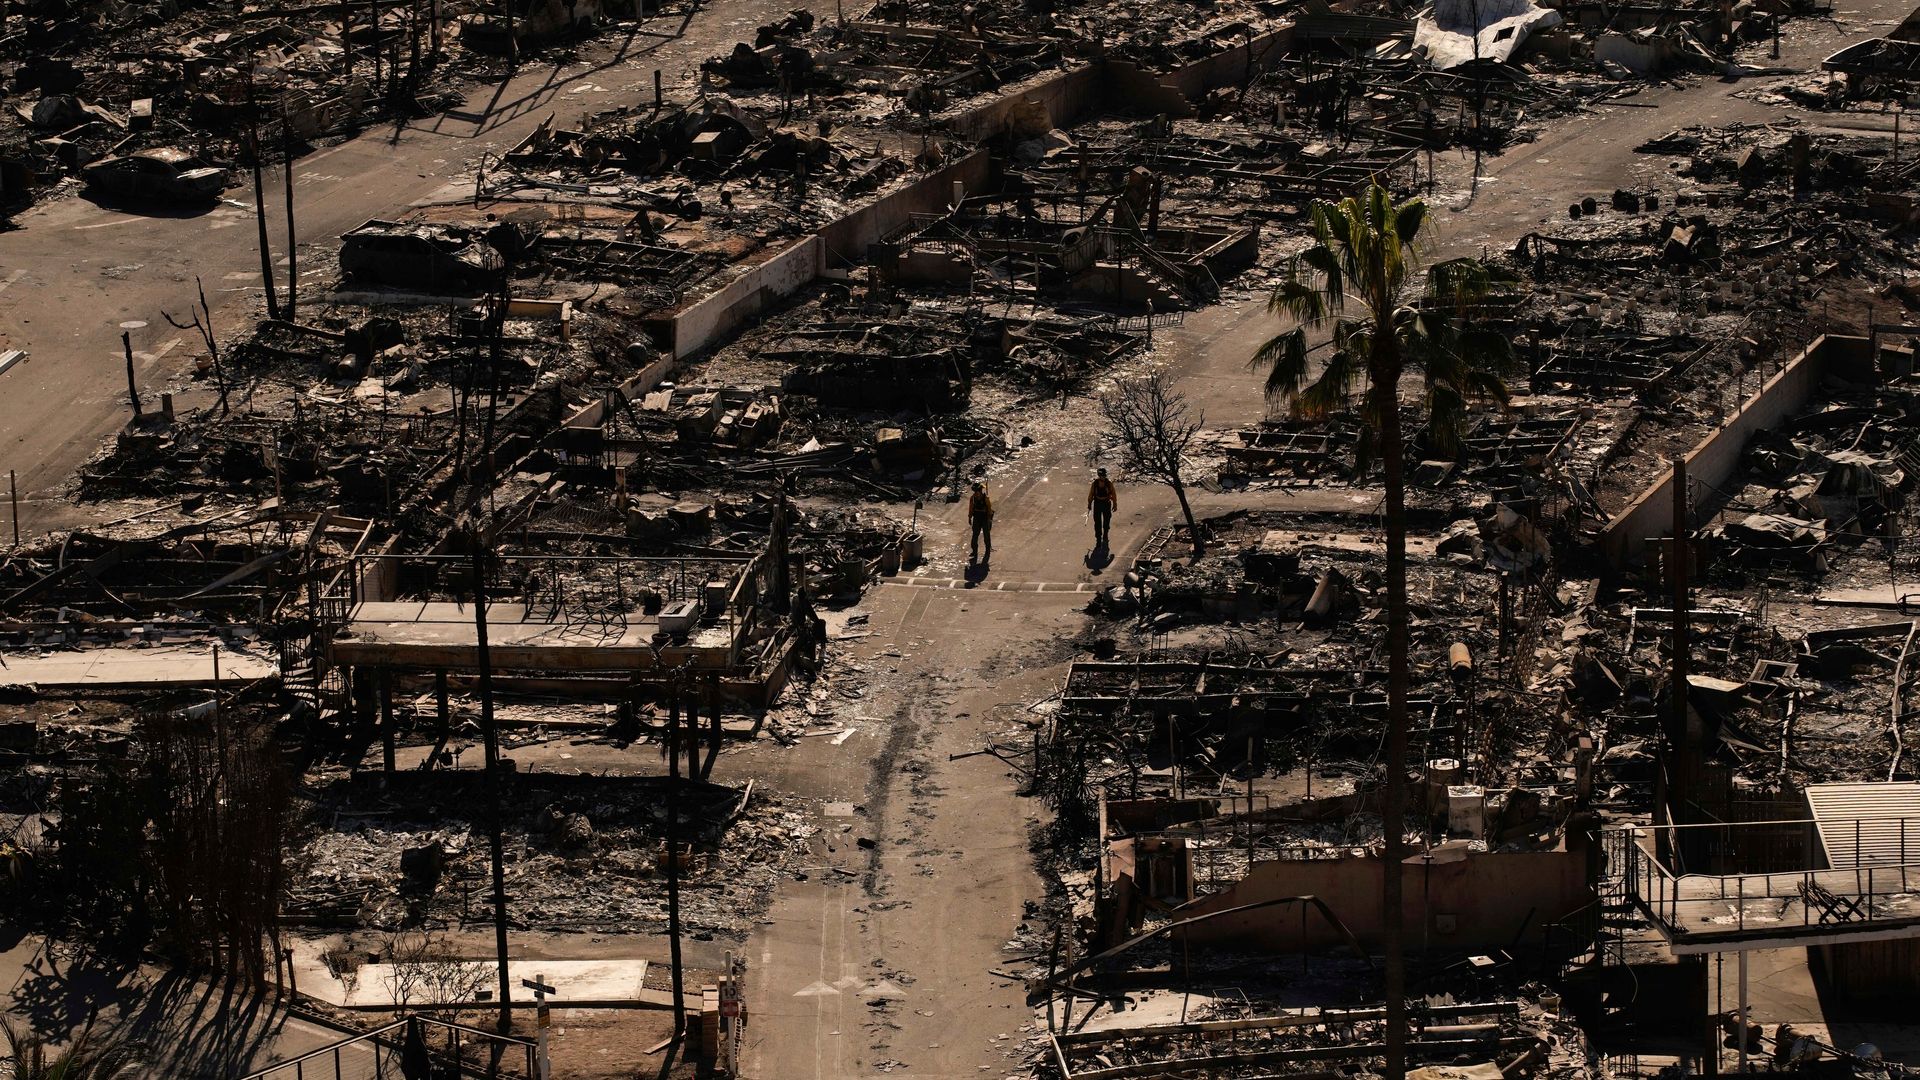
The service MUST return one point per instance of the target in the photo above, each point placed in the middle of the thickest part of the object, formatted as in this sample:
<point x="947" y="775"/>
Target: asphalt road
<point x="73" y="271"/>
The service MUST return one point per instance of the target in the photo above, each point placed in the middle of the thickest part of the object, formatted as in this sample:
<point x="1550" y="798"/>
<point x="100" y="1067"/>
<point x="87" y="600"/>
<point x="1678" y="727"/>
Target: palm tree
<point x="1355" y="284"/>
<point x="30" y="1058"/>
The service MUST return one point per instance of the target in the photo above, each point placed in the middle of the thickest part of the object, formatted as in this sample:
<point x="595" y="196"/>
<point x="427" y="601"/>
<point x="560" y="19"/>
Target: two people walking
<point x="1102" y="499"/>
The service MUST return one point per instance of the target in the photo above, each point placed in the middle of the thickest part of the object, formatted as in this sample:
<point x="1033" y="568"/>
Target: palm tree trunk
<point x="1393" y="803"/>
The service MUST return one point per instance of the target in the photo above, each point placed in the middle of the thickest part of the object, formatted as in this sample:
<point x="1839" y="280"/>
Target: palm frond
<point x="1483" y="385"/>
<point x="1366" y="250"/>
<point x="1296" y="298"/>
<point x="1446" y="418"/>
<point x="82" y="1060"/>
<point x="1409" y="218"/>
<point x="1332" y="390"/>
<point x="1285" y="358"/>
<point x="1490" y="350"/>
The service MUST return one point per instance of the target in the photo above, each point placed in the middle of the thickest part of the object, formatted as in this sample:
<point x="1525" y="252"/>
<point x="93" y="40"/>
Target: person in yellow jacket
<point x="1101" y="500"/>
<point x="980" y="516"/>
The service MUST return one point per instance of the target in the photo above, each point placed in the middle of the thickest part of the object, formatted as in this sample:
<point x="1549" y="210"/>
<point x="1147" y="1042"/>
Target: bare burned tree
<point x="428" y="974"/>
<point x="220" y="803"/>
<point x="1152" y="425"/>
<point x="203" y="322"/>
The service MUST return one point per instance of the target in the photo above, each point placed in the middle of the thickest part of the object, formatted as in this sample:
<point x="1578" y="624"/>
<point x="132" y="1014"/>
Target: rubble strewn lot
<point x="92" y="81"/>
<point x="559" y="560"/>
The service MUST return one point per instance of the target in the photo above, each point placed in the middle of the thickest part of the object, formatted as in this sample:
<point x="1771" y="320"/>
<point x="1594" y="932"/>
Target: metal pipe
<point x="1743" y="1010"/>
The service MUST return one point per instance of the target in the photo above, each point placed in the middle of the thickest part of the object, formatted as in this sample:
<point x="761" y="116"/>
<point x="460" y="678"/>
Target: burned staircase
<point x="1586" y="957"/>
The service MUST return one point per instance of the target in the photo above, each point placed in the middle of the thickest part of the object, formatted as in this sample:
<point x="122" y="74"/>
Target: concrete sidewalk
<point x="134" y="668"/>
<point x="578" y="983"/>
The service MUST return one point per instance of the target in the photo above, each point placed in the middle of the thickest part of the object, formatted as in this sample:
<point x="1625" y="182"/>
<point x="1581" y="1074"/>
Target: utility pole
<point x="13" y="492"/>
<point x="373" y="43"/>
<point x="259" y="194"/>
<point x="496" y="347"/>
<point x="293" y="249"/>
<point x="1669" y="777"/>
<point x="490" y="731"/>
<point x="673" y="850"/>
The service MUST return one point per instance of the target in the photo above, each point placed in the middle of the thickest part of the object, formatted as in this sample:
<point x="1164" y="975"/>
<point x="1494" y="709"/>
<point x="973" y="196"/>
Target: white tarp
<point x="1447" y="32"/>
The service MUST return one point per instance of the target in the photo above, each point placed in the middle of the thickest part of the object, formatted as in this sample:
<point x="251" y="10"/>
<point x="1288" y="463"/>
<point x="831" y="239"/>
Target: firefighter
<point x="1101" y="501"/>
<point x="980" y="516"/>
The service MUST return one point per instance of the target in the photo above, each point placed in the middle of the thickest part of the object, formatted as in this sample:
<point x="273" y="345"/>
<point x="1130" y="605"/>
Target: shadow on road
<point x="187" y="1027"/>
<point x="122" y="204"/>
<point x="1099" y="558"/>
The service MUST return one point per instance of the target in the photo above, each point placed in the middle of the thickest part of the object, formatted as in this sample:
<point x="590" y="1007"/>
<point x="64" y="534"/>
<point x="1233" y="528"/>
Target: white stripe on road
<point x="106" y="224"/>
<point x="998" y="586"/>
<point x="148" y="358"/>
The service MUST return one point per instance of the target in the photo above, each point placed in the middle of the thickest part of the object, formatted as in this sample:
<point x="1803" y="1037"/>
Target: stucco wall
<point x="845" y="240"/>
<point x="1714" y="460"/>
<point x="704" y="323"/>
<point x="1230" y="68"/>
<point x="1490" y="898"/>
<point x="1104" y="84"/>
<point x="1066" y="94"/>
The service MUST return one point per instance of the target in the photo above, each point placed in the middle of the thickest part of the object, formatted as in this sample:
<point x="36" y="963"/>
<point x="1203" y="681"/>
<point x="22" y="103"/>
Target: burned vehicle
<point x="421" y="257"/>
<point x="164" y="175"/>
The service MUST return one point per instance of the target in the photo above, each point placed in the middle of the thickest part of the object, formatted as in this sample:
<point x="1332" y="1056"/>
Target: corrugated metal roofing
<point x="1867" y="824"/>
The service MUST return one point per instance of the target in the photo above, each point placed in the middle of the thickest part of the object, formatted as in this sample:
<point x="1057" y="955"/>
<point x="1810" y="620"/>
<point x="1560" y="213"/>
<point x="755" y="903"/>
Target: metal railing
<point x="377" y="1054"/>
<point x="1699" y="906"/>
<point x="535" y="579"/>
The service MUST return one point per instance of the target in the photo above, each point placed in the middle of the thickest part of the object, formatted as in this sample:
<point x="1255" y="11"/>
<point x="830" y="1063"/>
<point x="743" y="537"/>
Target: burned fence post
<point x="133" y="389"/>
